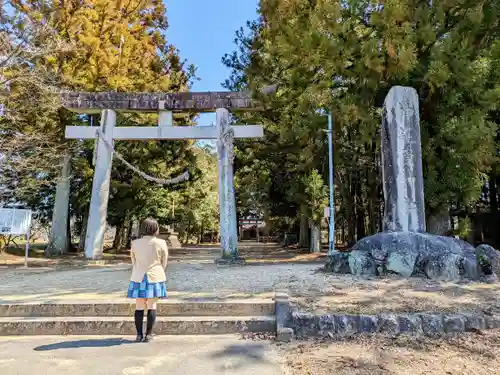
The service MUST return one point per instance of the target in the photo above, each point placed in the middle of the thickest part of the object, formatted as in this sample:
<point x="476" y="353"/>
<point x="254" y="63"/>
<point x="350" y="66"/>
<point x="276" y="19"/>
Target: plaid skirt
<point x="145" y="289"/>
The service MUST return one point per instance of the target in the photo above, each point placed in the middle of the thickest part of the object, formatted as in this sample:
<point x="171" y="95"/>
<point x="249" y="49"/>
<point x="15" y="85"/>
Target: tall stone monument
<point x="403" y="181"/>
<point x="403" y="248"/>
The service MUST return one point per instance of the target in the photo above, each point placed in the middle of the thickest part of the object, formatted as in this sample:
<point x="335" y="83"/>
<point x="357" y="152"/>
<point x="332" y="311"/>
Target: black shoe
<point x="148" y="338"/>
<point x="139" y="338"/>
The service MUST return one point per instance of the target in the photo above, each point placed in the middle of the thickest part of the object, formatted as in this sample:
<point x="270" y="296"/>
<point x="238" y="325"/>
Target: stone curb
<point x="221" y="262"/>
<point x="294" y="323"/>
<point x="428" y="324"/>
<point x="285" y="310"/>
<point x="125" y="309"/>
<point x="125" y="325"/>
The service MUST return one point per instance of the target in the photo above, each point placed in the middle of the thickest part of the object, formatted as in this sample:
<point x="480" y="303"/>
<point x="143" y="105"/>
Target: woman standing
<point x="147" y="284"/>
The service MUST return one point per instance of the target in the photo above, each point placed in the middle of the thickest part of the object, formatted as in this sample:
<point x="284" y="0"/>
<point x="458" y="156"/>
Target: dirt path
<point x="346" y="294"/>
<point x="467" y="354"/>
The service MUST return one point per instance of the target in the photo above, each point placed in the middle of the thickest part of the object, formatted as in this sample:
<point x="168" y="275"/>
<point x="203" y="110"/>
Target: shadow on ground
<point x="241" y="355"/>
<point x="88" y="343"/>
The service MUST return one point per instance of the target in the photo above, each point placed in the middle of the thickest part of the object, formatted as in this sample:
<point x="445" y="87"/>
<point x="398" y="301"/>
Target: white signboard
<point x="18" y="223"/>
<point x="15" y="221"/>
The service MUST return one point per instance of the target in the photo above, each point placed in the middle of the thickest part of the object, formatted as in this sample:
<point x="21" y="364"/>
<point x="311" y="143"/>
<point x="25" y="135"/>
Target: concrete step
<point x="250" y="307"/>
<point x="12" y="326"/>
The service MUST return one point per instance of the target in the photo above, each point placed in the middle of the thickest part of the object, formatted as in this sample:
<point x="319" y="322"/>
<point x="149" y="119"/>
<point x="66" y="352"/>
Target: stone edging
<point x="293" y="323"/>
<point x="284" y="317"/>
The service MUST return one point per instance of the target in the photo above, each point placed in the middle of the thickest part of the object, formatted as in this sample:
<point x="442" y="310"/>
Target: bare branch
<point x="30" y="134"/>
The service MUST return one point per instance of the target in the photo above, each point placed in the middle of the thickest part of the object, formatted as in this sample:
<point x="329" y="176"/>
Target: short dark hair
<point x="149" y="227"/>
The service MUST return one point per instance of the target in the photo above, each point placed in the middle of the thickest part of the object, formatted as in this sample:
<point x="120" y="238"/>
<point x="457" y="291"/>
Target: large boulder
<point x="401" y="262"/>
<point x="412" y="253"/>
<point x="390" y="251"/>
<point x="361" y="264"/>
<point x="338" y="262"/>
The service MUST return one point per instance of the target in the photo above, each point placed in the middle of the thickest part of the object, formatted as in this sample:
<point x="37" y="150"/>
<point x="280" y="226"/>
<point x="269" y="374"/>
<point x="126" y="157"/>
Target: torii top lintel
<point x="87" y="102"/>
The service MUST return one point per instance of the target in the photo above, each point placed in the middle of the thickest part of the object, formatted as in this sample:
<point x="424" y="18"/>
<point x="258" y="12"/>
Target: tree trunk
<point x="83" y="233"/>
<point x="71" y="248"/>
<point x="188" y="231"/>
<point x="315" y="237"/>
<point x="59" y="241"/>
<point x="351" y="214"/>
<point x="471" y="235"/>
<point x="374" y="201"/>
<point x="119" y="236"/>
<point x="359" y="208"/>
<point x="304" y="228"/>
<point x="134" y="229"/>
<point x="493" y="194"/>
<point x="127" y="238"/>
<point x="372" y="217"/>
<point x="439" y="223"/>
<point x="267" y="225"/>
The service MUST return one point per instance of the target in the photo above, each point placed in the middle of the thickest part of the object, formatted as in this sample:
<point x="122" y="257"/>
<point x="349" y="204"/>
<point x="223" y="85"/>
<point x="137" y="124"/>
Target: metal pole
<point x="331" y="243"/>
<point x="27" y="249"/>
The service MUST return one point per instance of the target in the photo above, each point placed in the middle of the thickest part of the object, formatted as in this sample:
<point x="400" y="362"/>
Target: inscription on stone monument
<point x="402" y="176"/>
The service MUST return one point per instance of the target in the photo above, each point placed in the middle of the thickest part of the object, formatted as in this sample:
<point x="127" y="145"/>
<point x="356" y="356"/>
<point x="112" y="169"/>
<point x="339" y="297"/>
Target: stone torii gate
<point x="164" y="104"/>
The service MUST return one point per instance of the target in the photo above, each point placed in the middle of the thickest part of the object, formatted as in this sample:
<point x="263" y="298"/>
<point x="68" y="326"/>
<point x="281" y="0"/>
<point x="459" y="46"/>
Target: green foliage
<point x="343" y="57"/>
<point x="463" y="228"/>
<point x="317" y="195"/>
<point x="30" y="143"/>
<point x="115" y="46"/>
<point x="197" y="204"/>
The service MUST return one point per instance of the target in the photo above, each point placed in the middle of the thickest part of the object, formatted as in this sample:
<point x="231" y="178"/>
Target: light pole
<point x="331" y="242"/>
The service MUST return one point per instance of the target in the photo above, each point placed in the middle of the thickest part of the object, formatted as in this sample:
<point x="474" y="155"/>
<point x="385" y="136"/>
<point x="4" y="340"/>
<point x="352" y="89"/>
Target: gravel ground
<point x="378" y="355"/>
<point x="312" y="290"/>
<point x="184" y="281"/>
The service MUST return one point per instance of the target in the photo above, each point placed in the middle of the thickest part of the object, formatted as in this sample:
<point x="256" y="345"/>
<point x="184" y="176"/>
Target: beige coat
<point x="149" y="256"/>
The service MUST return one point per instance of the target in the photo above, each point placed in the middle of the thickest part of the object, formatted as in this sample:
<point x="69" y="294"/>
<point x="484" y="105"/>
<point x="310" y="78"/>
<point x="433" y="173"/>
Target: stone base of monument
<point x="416" y="254"/>
<point x="173" y="241"/>
<point x="237" y="261"/>
<point x="96" y="262"/>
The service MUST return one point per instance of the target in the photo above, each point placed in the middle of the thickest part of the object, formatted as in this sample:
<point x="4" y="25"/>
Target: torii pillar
<point x="227" y="200"/>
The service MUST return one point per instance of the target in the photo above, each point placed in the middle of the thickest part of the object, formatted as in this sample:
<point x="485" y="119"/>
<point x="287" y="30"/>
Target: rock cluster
<point x="416" y="254"/>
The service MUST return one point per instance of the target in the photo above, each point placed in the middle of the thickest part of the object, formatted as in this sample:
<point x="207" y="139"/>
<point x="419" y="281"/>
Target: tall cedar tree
<point x="343" y="57"/>
<point x="118" y="46"/>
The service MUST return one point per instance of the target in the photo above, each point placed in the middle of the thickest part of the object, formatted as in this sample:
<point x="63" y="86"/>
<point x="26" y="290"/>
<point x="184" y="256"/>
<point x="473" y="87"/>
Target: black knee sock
<point x="139" y="317"/>
<point x="151" y="321"/>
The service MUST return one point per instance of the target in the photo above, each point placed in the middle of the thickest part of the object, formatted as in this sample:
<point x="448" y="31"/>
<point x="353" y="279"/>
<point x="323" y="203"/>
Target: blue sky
<point x="204" y="31"/>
